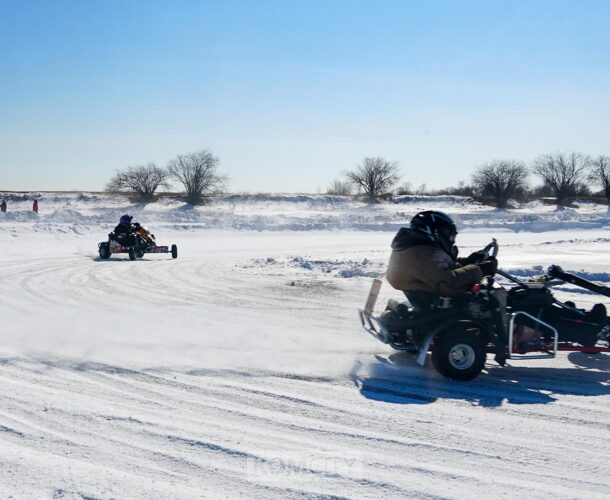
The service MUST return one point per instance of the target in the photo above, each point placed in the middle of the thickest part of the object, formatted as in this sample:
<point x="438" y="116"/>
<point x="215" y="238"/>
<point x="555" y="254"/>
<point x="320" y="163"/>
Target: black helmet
<point x="438" y="226"/>
<point x="125" y="220"/>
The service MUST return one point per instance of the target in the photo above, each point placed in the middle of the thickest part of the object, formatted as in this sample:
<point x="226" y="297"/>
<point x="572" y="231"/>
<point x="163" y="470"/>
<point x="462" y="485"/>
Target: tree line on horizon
<point x="196" y="172"/>
<point x="563" y="175"/>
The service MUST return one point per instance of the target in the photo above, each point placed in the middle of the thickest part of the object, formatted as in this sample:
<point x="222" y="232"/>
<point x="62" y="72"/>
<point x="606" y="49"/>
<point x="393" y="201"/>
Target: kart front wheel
<point x="104" y="250"/>
<point x="132" y="253"/>
<point x="174" y="252"/>
<point x="459" y="355"/>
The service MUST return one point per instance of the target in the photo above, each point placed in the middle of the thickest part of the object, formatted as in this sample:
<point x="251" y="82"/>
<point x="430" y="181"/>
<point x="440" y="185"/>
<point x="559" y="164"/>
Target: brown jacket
<point x="416" y="264"/>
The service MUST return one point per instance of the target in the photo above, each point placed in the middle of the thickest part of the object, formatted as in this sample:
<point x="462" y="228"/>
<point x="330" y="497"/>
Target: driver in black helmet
<point x="124" y="232"/>
<point x="424" y="262"/>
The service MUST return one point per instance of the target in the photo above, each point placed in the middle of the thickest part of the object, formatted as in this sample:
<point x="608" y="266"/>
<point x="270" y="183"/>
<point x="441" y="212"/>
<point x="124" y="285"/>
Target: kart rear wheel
<point x="174" y="252"/>
<point x="458" y="355"/>
<point x="104" y="250"/>
<point x="139" y="253"/>
<point x="132" y="253"/>
<point x="597" y="314"/>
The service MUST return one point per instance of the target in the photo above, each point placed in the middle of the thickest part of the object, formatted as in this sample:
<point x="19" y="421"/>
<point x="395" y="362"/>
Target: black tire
<point x="104" y="250"/>
<point x="140" y="253"/>
<point x="597" y="314"/>
<point x="459" y="355"/>
<point x="132" y="253"/>
<point x="174" y="252"/>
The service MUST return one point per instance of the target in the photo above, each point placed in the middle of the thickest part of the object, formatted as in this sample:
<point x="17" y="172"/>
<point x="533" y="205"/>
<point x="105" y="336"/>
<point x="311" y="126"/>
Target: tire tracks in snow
<point x="141" y="430"/>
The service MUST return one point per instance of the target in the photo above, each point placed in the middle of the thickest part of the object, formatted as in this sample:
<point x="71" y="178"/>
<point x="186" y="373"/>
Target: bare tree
<point x="340" y="188"/>
<point x="198" y="174"/>
<point x="141" y="180"/>
<point x="600" y="173"/>
<point x="501" y="180"/>
<point x="563" y="173"/>
<point x="375" y="176"/>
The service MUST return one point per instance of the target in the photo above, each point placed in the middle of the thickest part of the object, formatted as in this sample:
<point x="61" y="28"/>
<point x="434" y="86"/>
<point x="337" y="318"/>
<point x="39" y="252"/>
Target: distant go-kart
<point x="508" y="321"/>
<point x="136" y="245"/>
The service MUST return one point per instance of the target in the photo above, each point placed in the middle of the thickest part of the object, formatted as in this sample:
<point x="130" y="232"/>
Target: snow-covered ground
<point x="240" y="369"/>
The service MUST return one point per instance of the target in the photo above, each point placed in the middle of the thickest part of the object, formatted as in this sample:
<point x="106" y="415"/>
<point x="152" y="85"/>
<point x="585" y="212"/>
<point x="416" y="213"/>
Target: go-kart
<point x="509" y="321"/>
<point x="136" y="244"/>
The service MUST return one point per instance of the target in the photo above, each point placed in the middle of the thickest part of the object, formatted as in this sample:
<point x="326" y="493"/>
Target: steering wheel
<point x="491" y="250"/>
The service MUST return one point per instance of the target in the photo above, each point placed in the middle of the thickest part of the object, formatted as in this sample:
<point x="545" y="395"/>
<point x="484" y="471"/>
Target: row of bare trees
<point x="197" y="173"/>
<point x="563" y="175"/>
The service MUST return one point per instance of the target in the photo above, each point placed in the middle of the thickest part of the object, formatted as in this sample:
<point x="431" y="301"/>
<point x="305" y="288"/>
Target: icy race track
<point x="240" y="370"/>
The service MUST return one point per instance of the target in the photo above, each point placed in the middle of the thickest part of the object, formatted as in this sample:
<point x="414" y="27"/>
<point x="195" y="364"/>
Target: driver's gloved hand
<point x="473" y="258"/>
<point x="488" y="267"/>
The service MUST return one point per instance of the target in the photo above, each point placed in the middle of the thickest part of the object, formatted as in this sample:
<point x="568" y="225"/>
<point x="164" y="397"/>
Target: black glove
<point x="473" y="258"/>
<point x="488" y="267"/>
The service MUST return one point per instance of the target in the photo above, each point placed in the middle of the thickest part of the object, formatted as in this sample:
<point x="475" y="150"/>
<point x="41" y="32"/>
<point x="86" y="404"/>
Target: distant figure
<point x="35" y="206"/>
<point x="3" y="206"/>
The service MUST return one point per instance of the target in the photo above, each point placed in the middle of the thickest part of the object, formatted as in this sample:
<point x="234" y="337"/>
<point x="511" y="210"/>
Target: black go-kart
<point x="509" y="321"/>
<point x="136" y="245"/>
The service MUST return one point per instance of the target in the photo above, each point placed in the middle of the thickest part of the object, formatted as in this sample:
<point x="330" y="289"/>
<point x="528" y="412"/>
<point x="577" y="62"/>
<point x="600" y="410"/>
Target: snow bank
<point x="436" y="200"/>
<point x="320" y="267"/>
<point x="283" y="198"/>
<point x="286" y="212"/>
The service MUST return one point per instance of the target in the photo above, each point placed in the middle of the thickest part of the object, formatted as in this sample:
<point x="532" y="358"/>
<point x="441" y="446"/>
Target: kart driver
<point x="124" y="232"/>
<point x="424" y="263"/>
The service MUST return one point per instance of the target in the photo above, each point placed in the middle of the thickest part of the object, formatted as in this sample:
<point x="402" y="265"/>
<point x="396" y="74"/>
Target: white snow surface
<point x="240" y="369"/>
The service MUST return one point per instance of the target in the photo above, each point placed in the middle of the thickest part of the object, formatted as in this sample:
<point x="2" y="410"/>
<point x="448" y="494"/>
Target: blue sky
<point x="289" y="94"/>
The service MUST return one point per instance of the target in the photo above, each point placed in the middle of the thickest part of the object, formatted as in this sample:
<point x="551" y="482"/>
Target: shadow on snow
<point x="398" y="379"/>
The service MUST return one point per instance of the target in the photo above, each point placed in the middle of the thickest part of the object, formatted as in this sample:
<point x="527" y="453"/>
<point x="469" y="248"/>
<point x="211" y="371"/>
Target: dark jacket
<point x="419" y="264"/>
<point x="124" y="229"/>
<point x="125" y="234"/>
